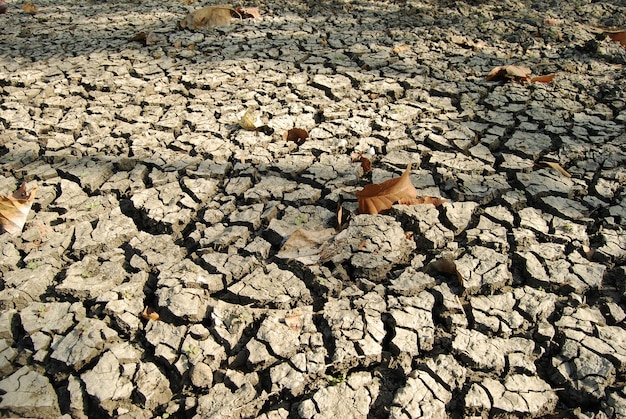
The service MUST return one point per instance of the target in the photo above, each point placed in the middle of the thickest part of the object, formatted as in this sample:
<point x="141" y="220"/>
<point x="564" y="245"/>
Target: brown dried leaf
<point x="297" y="135"/>
<point x="375" y="198"/>
<point x="426" y="200"/>
<point x="558" y="167"/>
<point x="294" y="319"/>
<point x="148" y="313"/>
<point x="14" y="209"/>
<point x="140" y="37"/>
<point x="509" y="72"/>
<point x="208" y="17"/>
<point x="542" y="79"/>
<point x="618" y="37"/>
<point x="30" y="8"/>
<point x="366" y="164"/>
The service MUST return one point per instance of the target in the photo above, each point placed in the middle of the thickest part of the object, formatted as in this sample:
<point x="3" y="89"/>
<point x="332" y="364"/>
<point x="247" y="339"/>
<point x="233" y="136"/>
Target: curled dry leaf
<point x="294" y="319"/>
<point x="518" y="73"/>
<point x="148" y="313"/>
<point x="208" y="17"/>
<point x="618" y="37"/>
<point x="14" y="209"/>
<point x="366" y="165"/>
<point x="30" y="8"/>
<point x="250" y="120"/>
<point x="297" y="135"/>
<point x="509" y="72"/>
<point x="248" y="12"/>
<point x="376" y="198"/>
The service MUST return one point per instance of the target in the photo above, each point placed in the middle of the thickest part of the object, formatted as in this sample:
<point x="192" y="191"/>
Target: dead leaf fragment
<point x="3" y="7"/>
<point x="618" y="37"/>
<point x="376" y="198"/>
<point x="305" y="246"/>
<point x="297" y="135"/>
<point x="399" y="48"/>
<point x="148" y="313"/>
<point x="294" y="319"/>
<point x="558" y="167"/>
<point x="248" y="12"/>
<point x="30" y="8"/>
<point x="208" y="17"/>
<point x="366" y="165"/>
<point x="542" y="79"/>
<point x="14" y="209"/>
<point x="425" y="200"/>
<point x="140" y="37"/>
<point x="250" y="120"/>
<point x="509" y="72"/>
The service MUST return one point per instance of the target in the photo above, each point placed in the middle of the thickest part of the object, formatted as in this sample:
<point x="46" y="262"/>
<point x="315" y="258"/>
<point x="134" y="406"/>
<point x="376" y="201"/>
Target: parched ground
<point x="505" y="301"/>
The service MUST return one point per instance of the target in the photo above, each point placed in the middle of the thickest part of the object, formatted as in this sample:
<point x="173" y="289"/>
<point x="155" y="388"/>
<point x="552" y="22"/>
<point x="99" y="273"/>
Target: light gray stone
<point x="83" y="343"/>
<point x="152" y="386"/>
<point x="28" y="393"/>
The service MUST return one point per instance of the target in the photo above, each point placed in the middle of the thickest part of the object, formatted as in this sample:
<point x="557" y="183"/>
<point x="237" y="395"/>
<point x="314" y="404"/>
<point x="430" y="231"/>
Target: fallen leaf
<point x="14" y="209"/>
<point x="375" y="198"/>
<point x="3" y="7"/>
<point x="558" y="167"/>
<point x="294" y="319"/>
<point x="618" y="37"/>
<point x="148" y="313"/>
<point x="208" y="17"/>
<point x="343" y="216"/>
<point x="366" y="164"/>
<point x="509" y="72"/>
<point x="426" y="200"/>
<point x="542" y="79"/>
<point x="30" y="8"/>
<point x="297" y="135"/>
<point x="140" y="37"/>
<point x="250" y="120"/>
<point x="304" y="246"/>
<point x="399" y="48"/>
<point x="248" y="12"/>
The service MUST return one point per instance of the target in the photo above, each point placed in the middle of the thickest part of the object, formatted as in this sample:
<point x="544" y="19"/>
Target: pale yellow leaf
<point x="14" y="209"/>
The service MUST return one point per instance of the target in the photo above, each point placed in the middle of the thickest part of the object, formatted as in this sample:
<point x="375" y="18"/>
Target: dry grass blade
<point x="14" y="209"/>
<point x="558" y="167"/>
<point x="376" y="198"/>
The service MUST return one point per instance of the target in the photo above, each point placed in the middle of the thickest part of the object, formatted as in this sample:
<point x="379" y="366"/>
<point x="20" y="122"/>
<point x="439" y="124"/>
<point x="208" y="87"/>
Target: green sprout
<point x="301" y="219"/>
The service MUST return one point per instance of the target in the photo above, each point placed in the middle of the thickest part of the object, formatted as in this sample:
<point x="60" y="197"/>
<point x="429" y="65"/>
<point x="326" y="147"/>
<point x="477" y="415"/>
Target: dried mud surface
<point x="506" y="301"/>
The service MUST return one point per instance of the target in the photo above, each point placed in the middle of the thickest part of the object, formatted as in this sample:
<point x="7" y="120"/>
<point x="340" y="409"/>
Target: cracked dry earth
<point x="151" y="195"/>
